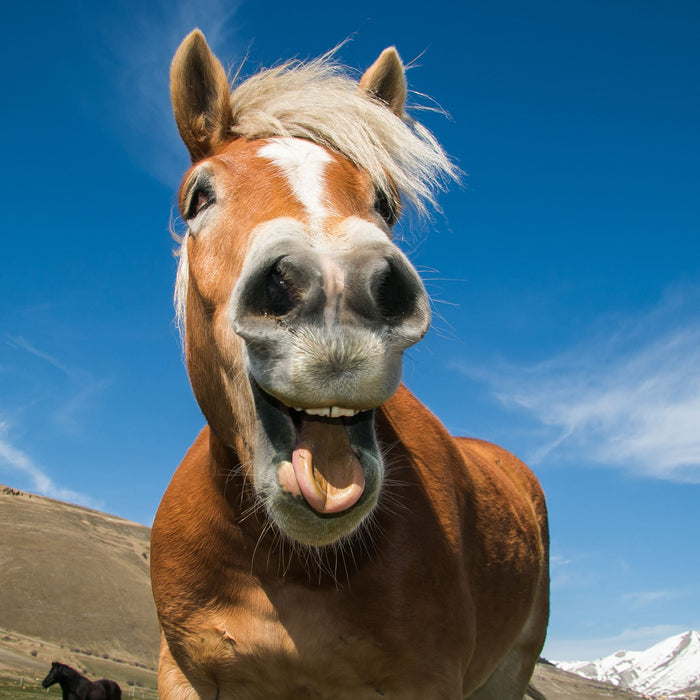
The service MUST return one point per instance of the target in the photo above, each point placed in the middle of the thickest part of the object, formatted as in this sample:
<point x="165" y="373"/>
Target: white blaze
<point x="303" y="164"/>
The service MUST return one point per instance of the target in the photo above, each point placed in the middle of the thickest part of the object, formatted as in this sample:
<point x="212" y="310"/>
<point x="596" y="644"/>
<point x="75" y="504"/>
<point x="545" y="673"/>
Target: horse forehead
<point x="323" y="183"/>
<point x="303" y="164"/>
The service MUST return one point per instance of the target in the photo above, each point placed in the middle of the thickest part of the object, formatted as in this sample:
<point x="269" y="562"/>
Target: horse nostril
<point x="278" y="296"/>
<point x="273" y="290"/>
<point x="395" y="292"/>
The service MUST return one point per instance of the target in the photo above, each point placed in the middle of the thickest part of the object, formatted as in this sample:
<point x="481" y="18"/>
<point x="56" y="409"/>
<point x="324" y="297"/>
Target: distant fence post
<point x="21" y="682"/>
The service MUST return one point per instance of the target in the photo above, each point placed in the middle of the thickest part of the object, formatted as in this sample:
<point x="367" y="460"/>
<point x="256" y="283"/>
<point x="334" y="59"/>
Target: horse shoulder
<point x="466" y="476"/>
<point x="486" y="503"/>
<point x="491" y="508"/>
<point x="489" y="461"/>
<point x="511" y="522"/>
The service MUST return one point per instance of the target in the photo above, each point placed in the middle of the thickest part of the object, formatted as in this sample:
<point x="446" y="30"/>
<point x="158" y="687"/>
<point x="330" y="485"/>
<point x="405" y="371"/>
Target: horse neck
<point x="69" y="679"/>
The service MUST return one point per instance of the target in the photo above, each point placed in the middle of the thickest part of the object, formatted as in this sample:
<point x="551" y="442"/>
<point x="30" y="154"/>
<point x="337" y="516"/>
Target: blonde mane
<point x="319" y="101"/>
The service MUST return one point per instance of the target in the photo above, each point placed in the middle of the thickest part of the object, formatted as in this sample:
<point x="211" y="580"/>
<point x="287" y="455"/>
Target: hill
<point x="555" y="684"/>
<point x="75" y="587"/>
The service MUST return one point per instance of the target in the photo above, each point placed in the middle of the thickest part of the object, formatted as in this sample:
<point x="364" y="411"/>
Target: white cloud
<point x="37" y="480"/>
<point x="629" y="397"/>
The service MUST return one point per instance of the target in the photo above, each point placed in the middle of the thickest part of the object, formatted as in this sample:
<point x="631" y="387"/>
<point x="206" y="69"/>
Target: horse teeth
<point x="337" y="412"/>
<point x="318" y="411"/>
<point x="331" y="412"/>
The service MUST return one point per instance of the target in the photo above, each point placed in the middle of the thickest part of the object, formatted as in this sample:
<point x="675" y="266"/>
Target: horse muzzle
<point x="327" y="329"/>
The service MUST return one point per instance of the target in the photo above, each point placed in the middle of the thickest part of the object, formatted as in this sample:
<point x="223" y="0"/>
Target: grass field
<point x="16" y="687"/>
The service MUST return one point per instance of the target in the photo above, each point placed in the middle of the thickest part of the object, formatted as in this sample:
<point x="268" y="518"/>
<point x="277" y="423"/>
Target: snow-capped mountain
<point x="670" y="668"/>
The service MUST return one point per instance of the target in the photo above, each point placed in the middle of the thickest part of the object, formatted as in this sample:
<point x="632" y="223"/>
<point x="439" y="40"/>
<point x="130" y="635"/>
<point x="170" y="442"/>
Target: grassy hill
<point x="75" y="588"/>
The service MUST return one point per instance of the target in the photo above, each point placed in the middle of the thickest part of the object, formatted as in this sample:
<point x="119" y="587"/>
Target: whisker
<point x="263" y="532"/>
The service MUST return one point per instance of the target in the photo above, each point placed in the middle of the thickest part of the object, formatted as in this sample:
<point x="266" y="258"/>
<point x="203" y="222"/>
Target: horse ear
<point x="199" y="92"/>
<point x="385" y="80"/>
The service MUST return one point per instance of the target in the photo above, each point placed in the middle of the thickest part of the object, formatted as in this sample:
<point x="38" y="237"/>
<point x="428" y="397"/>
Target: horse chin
<point x="295" y="504"/>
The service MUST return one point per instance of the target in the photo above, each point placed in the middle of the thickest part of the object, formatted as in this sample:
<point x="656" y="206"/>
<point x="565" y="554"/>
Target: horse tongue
<point x="328" y="473"/>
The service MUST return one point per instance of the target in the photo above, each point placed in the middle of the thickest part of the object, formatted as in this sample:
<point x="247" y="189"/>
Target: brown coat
<point x="453" y="577"/>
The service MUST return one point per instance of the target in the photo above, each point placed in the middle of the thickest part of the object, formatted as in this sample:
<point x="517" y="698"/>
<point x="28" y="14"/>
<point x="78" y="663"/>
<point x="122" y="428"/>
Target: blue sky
<point x="565" y="272"/>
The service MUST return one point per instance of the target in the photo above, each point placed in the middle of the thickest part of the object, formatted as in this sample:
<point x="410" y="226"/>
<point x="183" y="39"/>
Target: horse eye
<point x="198" y="196"/>
<point x="200" y="199"/>
<point x="387" y="208"/>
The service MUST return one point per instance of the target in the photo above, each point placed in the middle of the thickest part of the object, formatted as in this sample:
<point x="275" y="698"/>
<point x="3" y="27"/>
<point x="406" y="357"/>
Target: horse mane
<point x="318" y="100"/>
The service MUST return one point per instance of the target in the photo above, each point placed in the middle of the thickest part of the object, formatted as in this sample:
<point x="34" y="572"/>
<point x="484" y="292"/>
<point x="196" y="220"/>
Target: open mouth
<point x="326" y="461"/>
<point x="325" y="469"/>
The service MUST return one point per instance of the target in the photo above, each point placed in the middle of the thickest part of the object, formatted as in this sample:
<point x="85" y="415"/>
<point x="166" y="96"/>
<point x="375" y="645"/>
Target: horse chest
<point x="289" y="642"/>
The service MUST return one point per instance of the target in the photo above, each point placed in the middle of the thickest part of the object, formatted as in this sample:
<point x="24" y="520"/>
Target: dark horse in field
<point x="77" y="687"/>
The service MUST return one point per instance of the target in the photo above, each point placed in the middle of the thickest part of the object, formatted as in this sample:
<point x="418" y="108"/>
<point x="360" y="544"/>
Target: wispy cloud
<point x="38" y="481"/>
<point x="136" y="66"/>
<point x="563" y="575"/>
<point x="628" y="397"/>
<point x="76" y="396"/>
<point x="573" y="572"/>
<point x="644" y="599"/>
<point x="76" y="386"/>
<point x="21" y="343"/>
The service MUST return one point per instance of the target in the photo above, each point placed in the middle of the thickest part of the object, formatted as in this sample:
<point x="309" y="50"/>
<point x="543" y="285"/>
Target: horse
<point x="325" y="536"/>
<point x="78" y="687"/>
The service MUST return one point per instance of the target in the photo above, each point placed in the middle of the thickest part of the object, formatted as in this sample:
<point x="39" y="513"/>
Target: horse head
<point x="54" y="675"/>
<point x="297" y="306"/>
